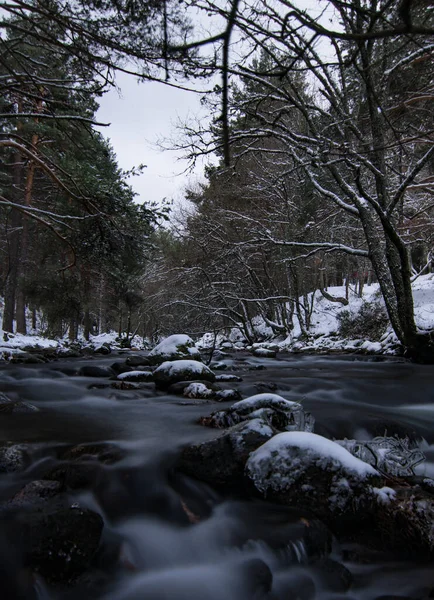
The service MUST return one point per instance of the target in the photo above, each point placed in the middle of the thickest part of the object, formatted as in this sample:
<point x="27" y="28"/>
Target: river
<point x="233" y="549"/>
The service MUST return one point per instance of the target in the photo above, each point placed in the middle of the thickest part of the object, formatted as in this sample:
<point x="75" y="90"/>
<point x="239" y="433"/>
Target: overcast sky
<point x="145" y="113"/>
<point x="139" y="117"/>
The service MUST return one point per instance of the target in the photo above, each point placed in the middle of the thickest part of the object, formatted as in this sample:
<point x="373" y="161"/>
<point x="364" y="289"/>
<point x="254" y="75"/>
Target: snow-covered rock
<point x="136" y="376"/>
<point x="197" y="389"/>
<point x="174" y="347"/>
<point x="307" y="470"/>
<point x="281" y="414"/>
<point x="264" y="352"/>
<point x="181" y="370"/>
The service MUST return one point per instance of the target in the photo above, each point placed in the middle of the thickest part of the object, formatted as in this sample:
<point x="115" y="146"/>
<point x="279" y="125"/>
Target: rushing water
<point x="215" y="548"/>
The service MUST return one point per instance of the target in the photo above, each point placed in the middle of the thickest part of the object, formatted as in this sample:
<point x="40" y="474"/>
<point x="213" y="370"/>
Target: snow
<point x="311" y="443"/>
<point x="385" y="495"/>
<point x="260" y="400"/>
<point x="134" y="375"/>
<point x="175" y="367"/>
<point x="171" y="346"/>
<point x="323" y="333"/>
<point x="197" y="390"/>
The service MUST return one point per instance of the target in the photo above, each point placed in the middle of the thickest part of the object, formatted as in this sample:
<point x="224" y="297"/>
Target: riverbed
<point x="178" y="539"/>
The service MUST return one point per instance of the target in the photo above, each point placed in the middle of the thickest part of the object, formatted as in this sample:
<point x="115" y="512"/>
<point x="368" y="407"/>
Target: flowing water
<point x="168" y="537"/>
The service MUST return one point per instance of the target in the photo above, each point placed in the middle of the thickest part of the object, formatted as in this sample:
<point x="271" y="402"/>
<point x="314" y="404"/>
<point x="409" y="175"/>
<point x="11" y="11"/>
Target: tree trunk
<point x="14" y="239"/>
<point x="21" y="310"/>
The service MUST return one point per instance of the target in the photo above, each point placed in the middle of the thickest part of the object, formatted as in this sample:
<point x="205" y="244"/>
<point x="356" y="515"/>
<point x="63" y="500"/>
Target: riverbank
<point x="359" y="327"/>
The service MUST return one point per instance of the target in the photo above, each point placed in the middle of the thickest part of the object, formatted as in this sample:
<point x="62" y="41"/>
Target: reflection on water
<point x="168" y="537"/>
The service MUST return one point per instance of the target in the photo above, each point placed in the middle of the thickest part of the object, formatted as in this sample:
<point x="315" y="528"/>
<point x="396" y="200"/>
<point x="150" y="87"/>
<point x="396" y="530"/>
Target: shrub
<point x="370" y="322"/>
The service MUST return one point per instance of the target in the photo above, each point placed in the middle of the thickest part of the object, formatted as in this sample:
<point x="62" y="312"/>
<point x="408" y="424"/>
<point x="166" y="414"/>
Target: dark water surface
<point x="237" y="546"/>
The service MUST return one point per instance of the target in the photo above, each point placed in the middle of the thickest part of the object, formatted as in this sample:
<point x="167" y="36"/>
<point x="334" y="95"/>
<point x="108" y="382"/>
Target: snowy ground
<point x="323" y="334"/>
<point x="324" y="331"/>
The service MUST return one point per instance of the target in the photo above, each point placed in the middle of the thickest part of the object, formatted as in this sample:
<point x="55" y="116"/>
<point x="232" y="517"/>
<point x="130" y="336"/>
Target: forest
<point x="321" y="128"/>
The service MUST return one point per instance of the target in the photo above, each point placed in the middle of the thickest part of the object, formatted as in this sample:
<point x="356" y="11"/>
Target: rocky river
<point x="93" y="503"/>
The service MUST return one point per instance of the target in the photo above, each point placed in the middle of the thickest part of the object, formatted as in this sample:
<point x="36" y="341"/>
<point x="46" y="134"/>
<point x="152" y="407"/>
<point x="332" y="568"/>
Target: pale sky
<point x="141" y="116"/>
<point x="144" y="114"/>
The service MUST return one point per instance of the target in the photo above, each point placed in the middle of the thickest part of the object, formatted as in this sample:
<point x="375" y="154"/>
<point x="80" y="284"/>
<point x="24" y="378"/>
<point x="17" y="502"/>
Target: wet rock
<point x="179" y="387"/>
<point x="257" y="574"/>
<point x="28" y="359"/>
<point x="125" y="385"/>
<point x="136" y="376"/>
<point x="11" y="406"/>
<point x="221" y="462"/>
<point x="263" y="387"/>
<point x="306" y="470"/>
<point x="104" y="349"/>
<point x="70" y="353"/>
<point x="60" y="545"/>
<point x="95" y="371"/>
<point x="228" y="377"/>
<point x="172" y="348"/>
<point x="218" y="366"/>
<point x="171" y="372"/>
<point x="198" y="390"/>
<point x="119" y="367"/>
<point x="74" y="476"/>
<point x="34" y="494"/>
<point x="227" y="396"/>
<point x="138" y="361"/>
<point x="104" y="452"/>
<point x="333" y="575"/>
<point x="405" y="523"/>
<point x="14" y="457"/>
<point x="264" y="352"/>
<point x="281" y="414"/>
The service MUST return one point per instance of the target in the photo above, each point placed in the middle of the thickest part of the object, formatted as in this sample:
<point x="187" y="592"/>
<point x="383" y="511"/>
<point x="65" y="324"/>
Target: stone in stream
<point x="60" y="545"/>
<point x="136" y="376"/>
<point x="33" y="494"/>
<point x="105" y="452"/>
<point x="103" y="349"/>
<point x="264" y="352"/>
<point x="170" y="372"/>
<point x="95" y="371"/>
<point x="227" y="396"/>
<point x="306" y="470"/>
<point x="228" y="377"/>
<point x="405" y="523"/>
<point x="172" y="348"/>
<point x="138" y="361"/>
<point x="281" y="414"/>
<point x="14" y="457"/>
<point x="220" y="462"/>
<point x="9" y="406"/>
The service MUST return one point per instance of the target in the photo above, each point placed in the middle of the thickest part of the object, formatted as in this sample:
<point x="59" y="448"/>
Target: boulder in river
<point x="136" y="376"/>
<point x="281" y="414"/>
<point x="11" y="406"/>
<point x="61" y="544"/>
<point x="138" y="360"/>
<point x="13" y="457"/>
<point x="95" y="371"/>
<point x="181" y="370"/>
<point x="303" y="469"/>
<point x="174" y="347"/>
<point x="220" y="462"/>
<point x="263" y="352"/>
